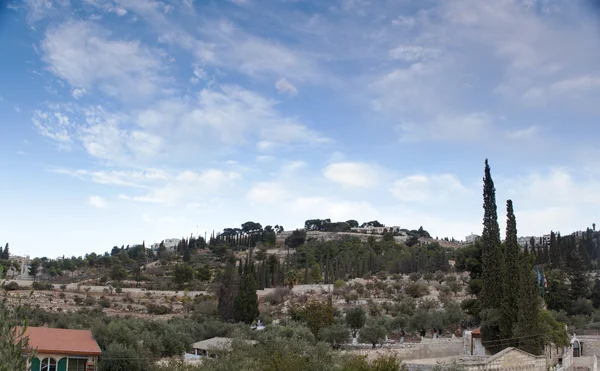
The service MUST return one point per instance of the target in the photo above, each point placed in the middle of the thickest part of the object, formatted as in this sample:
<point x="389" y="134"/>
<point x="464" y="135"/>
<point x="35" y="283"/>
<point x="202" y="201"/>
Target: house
<point x="62" y="349"/>
<point x="472" y="238"/>
<point x="210" y="347"/>
<point x="170" y="244"/>
<point x="585" y="351"/>
<point x="473" y="344"/>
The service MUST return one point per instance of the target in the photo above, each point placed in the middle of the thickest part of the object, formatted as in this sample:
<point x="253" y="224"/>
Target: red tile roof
<point x="61" y="341"/>
<point x="476" y="332"/>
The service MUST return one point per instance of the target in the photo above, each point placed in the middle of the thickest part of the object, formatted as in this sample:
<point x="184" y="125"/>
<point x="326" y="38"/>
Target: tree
<point x="596" y="292"/>
<point x="13" y="345"/>
<point x="579" y="282"/>
<point x="120" y="357"/>
<point x="528" y="310"/>
<point x="372" y="334"/>
<point x="356" y="319"/>
<point x="296" y="239"/>
<point x="203" y="273"/>
<point x="245" y="305"/>
<point x="182" y="274"/>
<point x="336" y="335"/>
<point x="492" y="266"/>
<point x="117" y="272"/>
<point x="318" y="315"/>
<point x="5" y="254"/>
<point x="34" y="268"/>
<point x="512" y="256"/>
<point x="352" y="223"/>
<point x="227" y="293"/>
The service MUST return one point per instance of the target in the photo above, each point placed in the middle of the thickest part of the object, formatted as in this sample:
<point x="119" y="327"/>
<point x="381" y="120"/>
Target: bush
<point x="414" y="276"/>
<point x="77" y="299"/>
<point x="382" y="275"/>
<point x="11" y="286"/>
<point x="158" y="309"/>
<point x="104" y="302"/>
<point x="89" y="301"/>
<point x="338" y="284"/>
<point x="416" y="290"/>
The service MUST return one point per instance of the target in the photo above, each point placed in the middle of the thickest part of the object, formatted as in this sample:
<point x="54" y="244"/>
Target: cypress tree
<point x="577" y="277"/>
<point x="245" y="306"/>
<point x="596" y="292"/>
<point x="554" y="251"/>
<point x="528" y="323"/>
<point x="492" y="267"/>
<point x="512" y="260"/>
<point x="227" y="293"/>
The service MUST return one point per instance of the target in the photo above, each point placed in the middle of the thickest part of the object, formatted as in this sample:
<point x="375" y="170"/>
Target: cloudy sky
<point x="131" y="120"/>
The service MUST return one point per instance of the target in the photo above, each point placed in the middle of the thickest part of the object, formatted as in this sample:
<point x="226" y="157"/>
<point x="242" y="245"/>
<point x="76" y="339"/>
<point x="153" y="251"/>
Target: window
<point x="77" y="364"/>
<point x="48" y="364"/>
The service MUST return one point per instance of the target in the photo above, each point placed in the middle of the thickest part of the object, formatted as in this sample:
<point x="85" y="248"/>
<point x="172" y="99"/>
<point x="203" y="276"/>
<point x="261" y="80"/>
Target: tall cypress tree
<point x="512" y="261"/>
<point x="554" y="251"/>
<point x="245" y="305"/>
<point x="228" y="293"/>
<point x="492" y="292"/>
<point x="528" y="324"/>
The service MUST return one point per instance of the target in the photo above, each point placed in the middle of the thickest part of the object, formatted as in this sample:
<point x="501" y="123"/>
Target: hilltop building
<point x="472" y="238"/>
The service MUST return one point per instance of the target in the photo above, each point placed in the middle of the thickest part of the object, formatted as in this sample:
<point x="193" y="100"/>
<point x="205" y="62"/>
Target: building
<point x="376" y="230"/>
<point x="472" y="238"/>
<point x="62" y="350"/>
<point x="585" y="351"/>
<point x="170" y="244"/>
<point x="211" y="347"/>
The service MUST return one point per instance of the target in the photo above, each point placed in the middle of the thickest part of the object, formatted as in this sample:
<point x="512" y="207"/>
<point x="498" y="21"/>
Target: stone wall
<point x="591" y="345"/>
<point x="514" y="360"/>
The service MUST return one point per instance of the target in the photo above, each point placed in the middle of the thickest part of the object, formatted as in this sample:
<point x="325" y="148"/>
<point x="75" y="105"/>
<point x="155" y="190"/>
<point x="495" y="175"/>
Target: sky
<point x="124" y="121"/>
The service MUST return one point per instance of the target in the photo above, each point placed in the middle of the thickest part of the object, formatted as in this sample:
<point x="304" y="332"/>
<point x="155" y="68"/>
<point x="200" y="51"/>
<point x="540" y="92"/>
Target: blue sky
<point x="131" y="120"/>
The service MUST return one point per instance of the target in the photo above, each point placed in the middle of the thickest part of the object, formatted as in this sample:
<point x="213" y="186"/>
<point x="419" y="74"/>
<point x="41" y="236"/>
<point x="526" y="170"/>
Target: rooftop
<point x="61" y="341"/>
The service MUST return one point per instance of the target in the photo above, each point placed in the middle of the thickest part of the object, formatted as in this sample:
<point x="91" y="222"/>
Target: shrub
<point x="414" y="276"/>
<point x="428" y="276"/>
<point x="11" y="286"/>
<point x="77" y="299"/>
<point x="104" y="302"/>
<point x="416" y="290"/>
<point x="338" y="284"/>
<point x="158" y="309"/>
<point x="382" y="275"/>
<point x="89" y="301"/>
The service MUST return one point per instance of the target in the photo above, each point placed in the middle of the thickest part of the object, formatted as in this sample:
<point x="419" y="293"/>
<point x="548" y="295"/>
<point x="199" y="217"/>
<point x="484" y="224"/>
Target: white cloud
<point x="97" y="202"/>
<point x="323" y="207"/>
<point x="285" y="87"/>
<point x="219" y="117"/>
<point x="55" y="126"/>
<point x="467" y="127"/>
<point x="187" y="186"/>
<point x="83" y="54"/>
<point x="523" y="133"/>
<point x="429" y="189"/>
<point x="267" y="193"/>
<point x="353" y="174"/>
<point x="412" y="53"/>
<point x="120" y="11"/>
<point x="582" y="84"/>
<point x="77" y="93"/>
